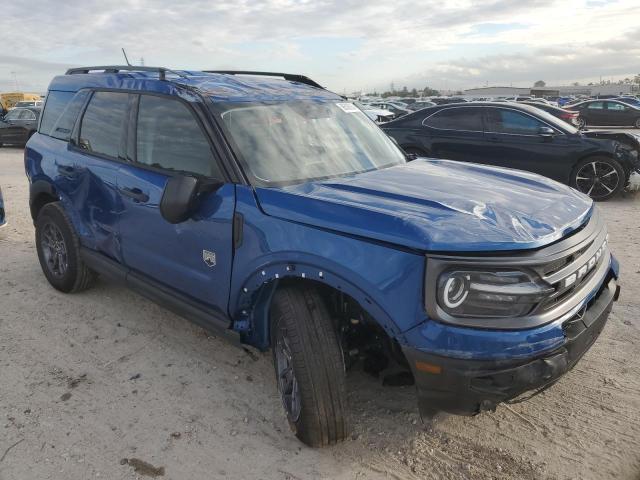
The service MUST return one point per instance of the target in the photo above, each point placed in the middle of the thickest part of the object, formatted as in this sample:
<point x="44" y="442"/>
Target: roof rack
<point x="161" y="71"/>
<point x="286" y="76"/>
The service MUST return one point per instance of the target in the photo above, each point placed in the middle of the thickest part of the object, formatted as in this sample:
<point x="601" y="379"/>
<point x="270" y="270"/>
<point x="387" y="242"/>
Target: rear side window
<point x="596" y="106"/>
<point x="64" y="125"/>
<point x="102" y="124"/>
<point x="53" y="108"/>
<point x="170" y="137"/>
<point x="459" y="118"/>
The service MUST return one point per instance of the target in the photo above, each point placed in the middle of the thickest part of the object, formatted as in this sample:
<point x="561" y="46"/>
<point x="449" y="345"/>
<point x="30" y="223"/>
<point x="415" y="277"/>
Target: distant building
<point x="610" y="89"/>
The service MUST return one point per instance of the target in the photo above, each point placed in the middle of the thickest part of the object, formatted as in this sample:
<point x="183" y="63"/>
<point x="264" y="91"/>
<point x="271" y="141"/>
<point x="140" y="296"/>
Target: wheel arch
<point x="250" y="312"/>
<point x="41" y="192"/>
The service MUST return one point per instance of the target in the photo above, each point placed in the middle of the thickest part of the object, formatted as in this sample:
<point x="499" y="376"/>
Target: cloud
<point x="344" y="44"/>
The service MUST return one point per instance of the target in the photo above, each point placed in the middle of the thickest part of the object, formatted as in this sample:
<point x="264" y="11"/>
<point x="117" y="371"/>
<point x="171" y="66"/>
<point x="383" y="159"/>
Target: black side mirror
<point x="181" y="195"/>
<point x="546" y="132"/>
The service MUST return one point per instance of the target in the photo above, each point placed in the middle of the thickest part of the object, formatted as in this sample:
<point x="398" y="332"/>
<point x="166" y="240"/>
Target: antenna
<point x="125" y="57"/>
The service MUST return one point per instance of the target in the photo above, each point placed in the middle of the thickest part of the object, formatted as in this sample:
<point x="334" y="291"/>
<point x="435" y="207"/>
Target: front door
<point x="514" y="139"/>
<point x="193" y="257"/>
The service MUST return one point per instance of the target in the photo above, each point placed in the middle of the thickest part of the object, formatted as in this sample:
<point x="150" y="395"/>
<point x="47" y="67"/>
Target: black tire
<point x="611" y="177"/>
<point x="637" y="123"/>
<point x="58" y="244"/>
<point x="582" y="123"/>
<point x="301" y="323"/>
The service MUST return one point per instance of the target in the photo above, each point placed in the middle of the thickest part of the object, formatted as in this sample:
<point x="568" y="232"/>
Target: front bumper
<point x="467" y="386"/>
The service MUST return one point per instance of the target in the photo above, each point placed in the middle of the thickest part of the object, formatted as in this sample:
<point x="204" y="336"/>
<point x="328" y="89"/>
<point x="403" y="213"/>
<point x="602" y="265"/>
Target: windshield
<point x="301" y="140"/>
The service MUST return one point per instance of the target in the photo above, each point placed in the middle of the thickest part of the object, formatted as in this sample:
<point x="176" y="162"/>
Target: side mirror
<point x="181" y="194"/>
<point x="546" y="132"/>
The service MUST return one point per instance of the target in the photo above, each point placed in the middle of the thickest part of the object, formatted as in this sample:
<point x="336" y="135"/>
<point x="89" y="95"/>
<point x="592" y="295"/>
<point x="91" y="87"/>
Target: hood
<point x="436" y="205"/>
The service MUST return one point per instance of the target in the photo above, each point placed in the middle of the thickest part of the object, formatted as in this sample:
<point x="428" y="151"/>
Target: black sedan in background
<point x="518" y="136"/>
<point x="606" y="113"/>
<point x="561" y="113"/>
<point x="18" y="125"/>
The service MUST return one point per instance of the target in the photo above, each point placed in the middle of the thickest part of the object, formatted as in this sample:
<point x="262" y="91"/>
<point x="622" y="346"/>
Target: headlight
<point x="482" y="294"/>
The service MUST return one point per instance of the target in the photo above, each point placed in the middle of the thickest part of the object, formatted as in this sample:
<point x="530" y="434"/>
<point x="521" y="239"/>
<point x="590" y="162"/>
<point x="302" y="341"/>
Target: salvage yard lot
<point x="93" y="385"/>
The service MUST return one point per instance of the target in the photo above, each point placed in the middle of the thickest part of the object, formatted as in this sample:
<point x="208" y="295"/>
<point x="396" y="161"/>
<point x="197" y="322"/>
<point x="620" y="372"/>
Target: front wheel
<point x="309" y="366"/>
<point x="599" y="177"/>
<point x="637" y="124"/>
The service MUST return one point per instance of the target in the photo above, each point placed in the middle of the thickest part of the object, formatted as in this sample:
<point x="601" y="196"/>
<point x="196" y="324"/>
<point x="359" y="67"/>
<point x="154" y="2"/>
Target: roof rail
<point x="161" y="71"/>
<point x="286" y="76"/>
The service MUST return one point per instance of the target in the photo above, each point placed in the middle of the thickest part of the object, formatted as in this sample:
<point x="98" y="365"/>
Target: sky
<point x="347" y="45"/>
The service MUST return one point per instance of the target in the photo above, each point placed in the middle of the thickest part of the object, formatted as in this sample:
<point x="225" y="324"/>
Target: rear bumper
<point x="467" y="387"/>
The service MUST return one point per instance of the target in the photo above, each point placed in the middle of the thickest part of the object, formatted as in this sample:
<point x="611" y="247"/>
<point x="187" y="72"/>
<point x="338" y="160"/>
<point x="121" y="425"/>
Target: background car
<point x="419" y="105"/>
<point x="18" y="125"/>
<point x="606" y="113"/>
<point x="561" y="113"/>
<point x="29" y="103"/>
<point x="394" y="108"/>
<point x="376" y="114"/>
<point x="518" y="136"/>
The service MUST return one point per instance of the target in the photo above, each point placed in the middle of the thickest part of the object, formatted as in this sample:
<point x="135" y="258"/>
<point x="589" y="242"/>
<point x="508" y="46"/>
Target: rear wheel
<point x="582" y="123"/>
<point x="599" y="177"/>
<point x="59" y="251"/>
<point x="309" y="366"/>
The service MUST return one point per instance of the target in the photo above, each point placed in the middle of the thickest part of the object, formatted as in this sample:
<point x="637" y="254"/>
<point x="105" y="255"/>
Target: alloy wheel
<point x="287" y="382"/>
<point x="54" y="250"/>
<point x="597" y="179"/>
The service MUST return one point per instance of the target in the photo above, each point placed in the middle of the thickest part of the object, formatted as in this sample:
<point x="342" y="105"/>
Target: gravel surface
<point x="105" y="384"/>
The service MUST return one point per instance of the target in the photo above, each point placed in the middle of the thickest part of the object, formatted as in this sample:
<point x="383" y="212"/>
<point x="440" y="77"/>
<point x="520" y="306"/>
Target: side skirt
<point x="180" y="304"/>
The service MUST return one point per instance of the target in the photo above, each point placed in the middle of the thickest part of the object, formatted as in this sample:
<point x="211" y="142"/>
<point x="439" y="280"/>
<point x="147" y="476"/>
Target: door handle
<point x="66" y="171"/>
<point x="135" y="194"/>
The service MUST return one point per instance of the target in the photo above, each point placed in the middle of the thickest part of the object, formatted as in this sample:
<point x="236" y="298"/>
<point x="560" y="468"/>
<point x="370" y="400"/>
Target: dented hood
<point x="436" y="205"/>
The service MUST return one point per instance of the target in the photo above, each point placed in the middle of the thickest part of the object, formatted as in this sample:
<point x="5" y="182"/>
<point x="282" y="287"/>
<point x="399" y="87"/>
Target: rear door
<point x="619" y="114"/>
<point x="595" y="114"/>
<point x="87" y="168"/>
<point x="515" y="140"/>
<point x="194" y="257"/>
<point x="456" y="133"/>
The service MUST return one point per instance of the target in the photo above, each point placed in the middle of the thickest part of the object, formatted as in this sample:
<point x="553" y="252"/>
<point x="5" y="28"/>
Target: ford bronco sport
<point x="270" y="209"/>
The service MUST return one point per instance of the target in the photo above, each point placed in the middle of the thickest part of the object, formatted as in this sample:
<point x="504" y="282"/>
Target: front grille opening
<point x="557" y="265"/>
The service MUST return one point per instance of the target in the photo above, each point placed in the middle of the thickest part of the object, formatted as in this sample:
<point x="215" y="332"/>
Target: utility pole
<point x="15" y="81"/>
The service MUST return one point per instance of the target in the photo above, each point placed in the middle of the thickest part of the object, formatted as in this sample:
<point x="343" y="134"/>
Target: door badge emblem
<point x="209" y="258"/>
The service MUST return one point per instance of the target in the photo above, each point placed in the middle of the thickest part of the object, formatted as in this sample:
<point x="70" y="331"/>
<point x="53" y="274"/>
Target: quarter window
<point x="459" y="118"/>
<point x="64" y="124"/>
<point x="512" y="122"/>
<point x="53" y="107"/>
<point x="26" y="114"/>
<point x="102" y="123"/>
<point x="170" y="137"/>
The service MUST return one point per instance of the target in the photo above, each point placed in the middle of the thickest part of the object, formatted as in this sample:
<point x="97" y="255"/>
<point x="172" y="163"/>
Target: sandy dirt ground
<point x="105" y="384"/>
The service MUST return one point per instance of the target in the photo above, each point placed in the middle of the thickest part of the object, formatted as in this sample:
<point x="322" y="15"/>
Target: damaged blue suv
<point x="265" y="207"/>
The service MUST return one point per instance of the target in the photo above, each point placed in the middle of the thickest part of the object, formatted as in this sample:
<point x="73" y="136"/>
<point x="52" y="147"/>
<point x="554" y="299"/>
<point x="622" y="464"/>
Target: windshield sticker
<point x="348" y="107"/>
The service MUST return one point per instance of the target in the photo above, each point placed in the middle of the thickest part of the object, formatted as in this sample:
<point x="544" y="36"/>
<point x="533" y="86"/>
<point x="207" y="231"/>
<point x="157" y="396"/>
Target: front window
<point x="301" y="140"/>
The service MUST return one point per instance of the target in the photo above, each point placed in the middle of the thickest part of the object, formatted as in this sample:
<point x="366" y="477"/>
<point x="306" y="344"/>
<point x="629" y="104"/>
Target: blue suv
<point x="265" y="207"/>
